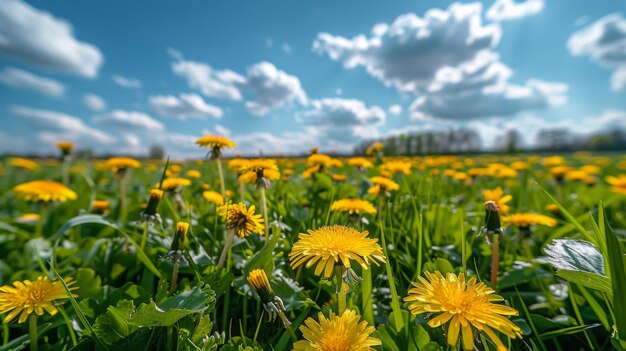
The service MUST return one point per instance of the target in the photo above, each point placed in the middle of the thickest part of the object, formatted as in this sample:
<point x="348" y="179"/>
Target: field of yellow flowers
<point x="486" y="252"/>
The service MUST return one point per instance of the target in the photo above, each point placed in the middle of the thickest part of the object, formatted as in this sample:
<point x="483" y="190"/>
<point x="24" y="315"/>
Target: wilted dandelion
<point x="467" y="308"/>
<point x="338" y="332"/>
<point x="497" y="195"/>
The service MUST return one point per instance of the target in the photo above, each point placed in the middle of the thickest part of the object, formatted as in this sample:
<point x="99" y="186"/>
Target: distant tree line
<point x="460" y="141"/>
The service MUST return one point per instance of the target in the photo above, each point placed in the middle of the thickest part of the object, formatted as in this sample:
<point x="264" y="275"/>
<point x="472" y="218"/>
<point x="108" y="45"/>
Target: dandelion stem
<point x="341" y="292"/>
<point x="264" y="209"/>
<point x="495" y="260"/>
<point x="42" y="219"/>
<point x="221" y="174"/>
<point x="66" y="170"/>
<point x="287" y="325"/>
<point x="32" y="330"/>
<point x="123" y="204"/>
<point x="174" y="280"/>
<point x="144" y="237"/>
<point x="229" y="239"/>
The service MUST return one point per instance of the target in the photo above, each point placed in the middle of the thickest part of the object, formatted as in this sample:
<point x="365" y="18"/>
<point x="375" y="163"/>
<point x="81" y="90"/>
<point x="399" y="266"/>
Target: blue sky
<point x="283" y="76"/>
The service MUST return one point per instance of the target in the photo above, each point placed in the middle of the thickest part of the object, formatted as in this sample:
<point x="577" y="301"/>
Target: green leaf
<point x="575" y="255"/>
<point x="618" y="280"/>
<point x="89" y="284"/>
<point x="112" y="327"/>
<point x="567" y="331"/>
<point x="588" y="280"/>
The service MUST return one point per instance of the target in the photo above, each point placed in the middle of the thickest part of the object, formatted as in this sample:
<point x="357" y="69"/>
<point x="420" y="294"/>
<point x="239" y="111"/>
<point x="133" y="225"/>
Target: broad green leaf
<point x="112" y="327"/>
<point x="575" y="255"/>
<point x="88" y="283"/>
<point x="588" y="280"/>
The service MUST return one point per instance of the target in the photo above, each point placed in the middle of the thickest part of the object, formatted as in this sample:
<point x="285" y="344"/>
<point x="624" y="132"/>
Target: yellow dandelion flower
<point x="591" y="169"/>
<point x="553" y="208"/>
<point x="346" y="333"/>
<point x="44" y="190"/>
<point x="467" y="306"/>
<point x="332" y="245"/>
<point x="320" y="160"/>
<point x="216" y="143"/>
<point x="122" y="163"/>
<point x="170" y="184"/>
<point x="259" y="170"/>
<point x="375" y="148"/>
<point x="560" y="171"/>
<point x="382" y="185"/>
<point x="65" y="146"/>
<point x="497" y="195"/>
<point x="553" y="161"/>
<point x="24" y="163"/>
<point x="100" y="206"/>
<point x="28" y="297"/>
<point x="353" y="206"/>
<point x="213" y="197"/>
<point x="398" y="167"/>
<point x="192" y="173"/>
<point x="27" y="218"/>
<point x="237" y="164"/>
<point x="242" y="220"/>
<point x="524" y="220"/>
<point x="520" y="165"/>
<point x="360" y="162"/>
<point x="618" y="183"/>
<point x="339" y="177"/>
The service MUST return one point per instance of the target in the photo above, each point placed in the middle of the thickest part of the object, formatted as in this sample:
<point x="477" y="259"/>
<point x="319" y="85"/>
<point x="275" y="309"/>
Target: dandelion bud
<point x="492" y="220"/>
<point x="150" y="213"/>
<point x="272" y="304"/>
<point x="178" y="242"/>
<point x="100" y="207"/>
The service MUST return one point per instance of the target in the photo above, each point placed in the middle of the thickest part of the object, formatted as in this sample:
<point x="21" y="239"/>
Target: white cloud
<point x="272" y="88"/>
<point x="604" y="41"/>
<point x="134" y="120"/>
<point x="288" y="143"/>
<point x="184" y="106"/>
<point x="212" y="83"/>
<point x="94" y="102"/>
<point x="125" y="82"/>
<point x="408" y="52"/>
<point x="17" y="78"/>
<point x="479" y="89"/>
<point x="395" y="110"/>
<point x="618" y="79"/>
<point x="503" y="10"/>
<point x="269" y="87"/>
<point x="36" y="37"/>
<point x="131" y="140"/>
<point x="61" y="126"/>
<point x="287" y="48"/>
<point x="343" y="120"/>
<point x="221" y="130"/>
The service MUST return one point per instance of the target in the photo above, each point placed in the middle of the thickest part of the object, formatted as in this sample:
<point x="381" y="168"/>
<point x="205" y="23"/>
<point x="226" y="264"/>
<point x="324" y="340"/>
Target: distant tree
<point x="156" y="152"/>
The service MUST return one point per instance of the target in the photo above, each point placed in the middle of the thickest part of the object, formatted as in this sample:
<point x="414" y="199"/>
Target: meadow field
<point x="485" y="252"/>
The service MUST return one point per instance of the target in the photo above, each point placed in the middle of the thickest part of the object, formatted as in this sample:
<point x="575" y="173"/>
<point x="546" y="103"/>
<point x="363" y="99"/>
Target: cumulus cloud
<point x="395" y="110"/>
<point x="287" y="143"/>
<point x="479" y="89"/>
<point x="125" y="82"/>
<point x="20" y="79"/>
<point x="409" y="51"/>
<point x="94" y="102"/>
<point x="184" y="106"/>
<point x="618" y="79"/>
<point x="124" y="120"/>
<point x="269" y="88"/>
<point x="503" y="10"/>
<point x="343" y="120"/>
<point x="272" y="88"/>
<point x="221" y="84"/>
<point x="61" y="126"/>
<point x="37" y="38"/>
<point x="604" y="41"/>
<point x="221" y="130"/>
